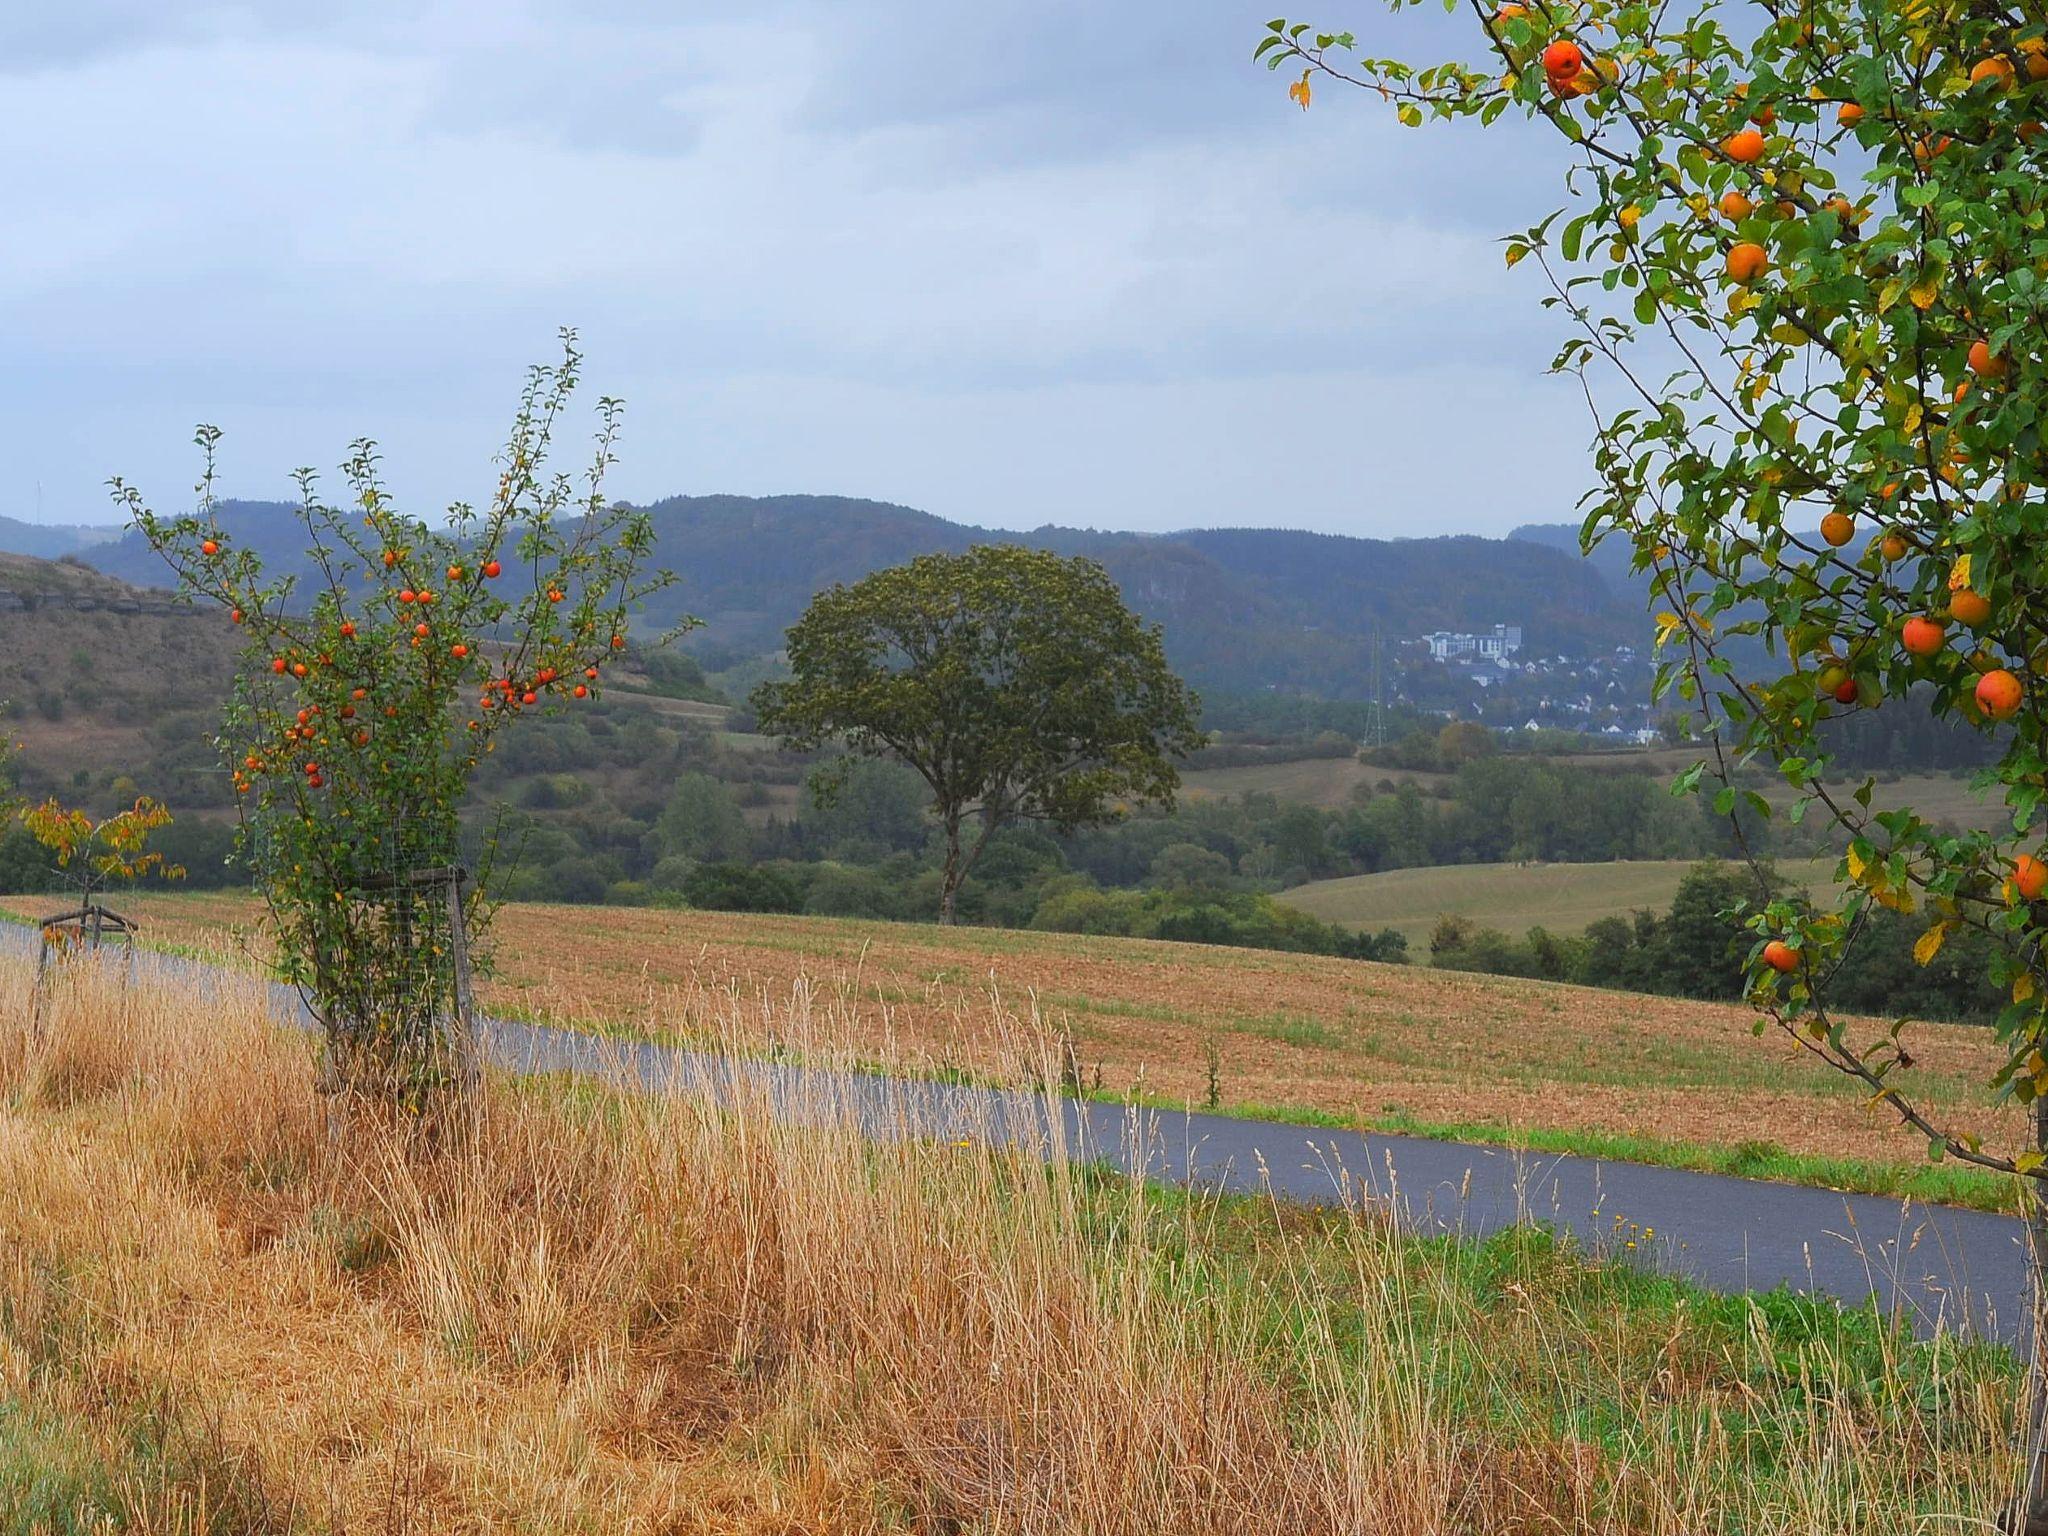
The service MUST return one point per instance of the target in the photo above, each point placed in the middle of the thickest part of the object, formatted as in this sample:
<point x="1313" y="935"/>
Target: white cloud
<point x="865" y="253"/>
<point x="1348" y="451"/>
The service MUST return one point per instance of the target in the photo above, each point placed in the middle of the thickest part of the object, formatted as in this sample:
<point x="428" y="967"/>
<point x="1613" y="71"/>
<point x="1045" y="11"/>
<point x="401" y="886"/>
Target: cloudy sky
<point x="1018" y="262"/>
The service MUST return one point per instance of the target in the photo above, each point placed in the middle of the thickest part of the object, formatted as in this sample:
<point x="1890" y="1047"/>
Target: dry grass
<point x="1299" y="1032"/>
<point x="221" y="1312"/>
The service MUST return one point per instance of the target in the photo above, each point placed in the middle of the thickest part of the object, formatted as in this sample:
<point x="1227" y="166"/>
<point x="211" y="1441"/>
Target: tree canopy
<point x="1803" y="269"/>
<point x="1014" y="682"/>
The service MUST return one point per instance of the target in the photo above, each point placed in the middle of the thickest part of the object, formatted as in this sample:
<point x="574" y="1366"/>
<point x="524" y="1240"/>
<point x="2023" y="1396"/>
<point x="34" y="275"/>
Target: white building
<point x="1495" y="645"/>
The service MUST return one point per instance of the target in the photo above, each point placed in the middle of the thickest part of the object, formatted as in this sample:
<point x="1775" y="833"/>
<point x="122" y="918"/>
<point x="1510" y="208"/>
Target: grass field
<point x="1329" y="782"/>
<point x="231" y="1306"/>
<point x="1564" y="898"/>
<point x="1295" y="1036"/>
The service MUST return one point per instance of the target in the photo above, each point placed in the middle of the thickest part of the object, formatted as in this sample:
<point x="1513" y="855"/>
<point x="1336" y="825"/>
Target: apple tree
<point x="1803" y="260"/>
<point x="371" y="691"/>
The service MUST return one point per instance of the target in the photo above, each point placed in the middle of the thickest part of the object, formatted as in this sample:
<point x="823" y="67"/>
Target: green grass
<point x="58" y="1477"/>
<point x="1330" y="781"/>
<point x="51" y="1476"/>
<point x="1776" y="1355"/>
<point x="1937" y="1183"/>
<point x="1942" y="1183"/>
<point x="1564" y="898"/>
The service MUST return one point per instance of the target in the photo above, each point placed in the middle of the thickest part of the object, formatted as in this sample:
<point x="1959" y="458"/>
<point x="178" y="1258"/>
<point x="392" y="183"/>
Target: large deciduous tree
<point x="1016" y="683"/>
<point x="1805" y="265"/>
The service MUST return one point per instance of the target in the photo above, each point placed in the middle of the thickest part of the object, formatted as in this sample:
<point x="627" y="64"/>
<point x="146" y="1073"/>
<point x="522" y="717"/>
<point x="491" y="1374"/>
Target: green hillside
<point x="1244" y="610"/>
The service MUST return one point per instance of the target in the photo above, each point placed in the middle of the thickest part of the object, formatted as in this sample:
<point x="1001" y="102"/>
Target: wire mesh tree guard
<point x="406" y="1024"/>
<point x="80" y="931"/>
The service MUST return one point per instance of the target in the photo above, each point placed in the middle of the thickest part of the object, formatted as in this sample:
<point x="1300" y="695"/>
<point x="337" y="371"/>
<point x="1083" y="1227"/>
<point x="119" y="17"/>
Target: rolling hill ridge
<point x="1243" y="609"/>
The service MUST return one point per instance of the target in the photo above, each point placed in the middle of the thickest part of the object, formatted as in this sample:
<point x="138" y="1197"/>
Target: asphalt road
<point x="1933" y="1265"/>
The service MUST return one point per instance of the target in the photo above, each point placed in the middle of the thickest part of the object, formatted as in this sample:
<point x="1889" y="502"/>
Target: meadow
<point x="1274" y="1035"/>
<point x="1332" y="783"/>
<point x="1564" y="898"/>
<point x="230" y="1306"/>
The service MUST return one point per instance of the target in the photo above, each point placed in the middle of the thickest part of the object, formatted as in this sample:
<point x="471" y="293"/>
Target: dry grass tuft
<point x="224" y="1308"/>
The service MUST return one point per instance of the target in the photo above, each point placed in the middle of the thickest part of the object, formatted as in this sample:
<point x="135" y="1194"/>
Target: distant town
<point x="1486" y="675"/>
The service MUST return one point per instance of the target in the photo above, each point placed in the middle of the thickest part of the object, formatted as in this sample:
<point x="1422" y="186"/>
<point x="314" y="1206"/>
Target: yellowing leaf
<point x="2023" y="987"/>
<point x="1299" y="91"/>
<point x="2027" y="1162"/>
<point x="1924" y="292"/>
<point x="1959" y="574"/>
<point x="1857" y="864"/>
<point x="1928" y="945"/>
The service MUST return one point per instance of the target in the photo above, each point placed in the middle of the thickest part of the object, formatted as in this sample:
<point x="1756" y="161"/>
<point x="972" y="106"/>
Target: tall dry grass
<point x="224" y="1307"/>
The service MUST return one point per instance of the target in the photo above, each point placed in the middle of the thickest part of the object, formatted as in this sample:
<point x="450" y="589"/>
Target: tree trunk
<point x="2030" y="1516"/>
<point x="949" y="880"/>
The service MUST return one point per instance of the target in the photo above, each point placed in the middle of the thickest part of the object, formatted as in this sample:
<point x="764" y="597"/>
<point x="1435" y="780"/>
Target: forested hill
<point x="1611" y="557"/>
<point x="1244" y="609"/>
<point x="47" y="541"/>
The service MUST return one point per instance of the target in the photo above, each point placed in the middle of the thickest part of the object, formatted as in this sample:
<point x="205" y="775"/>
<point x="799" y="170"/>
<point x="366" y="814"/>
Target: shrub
<point x="740" y="888"/>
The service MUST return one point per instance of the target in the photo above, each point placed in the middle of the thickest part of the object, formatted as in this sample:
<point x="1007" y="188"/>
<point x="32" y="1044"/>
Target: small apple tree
<point x="93" y="855"/>
<point x="97" y="853"/>
<point x="1807" y="247"/>
<point x="373" y="690"/>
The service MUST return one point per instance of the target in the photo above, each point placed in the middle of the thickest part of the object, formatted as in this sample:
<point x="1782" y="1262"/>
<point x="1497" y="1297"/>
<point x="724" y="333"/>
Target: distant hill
<point x="268" y="527"/>
<point x="1243" y="609"/>
<point x="47" y="541"/>
<point x="1610" y="557"/>
<point x="99" y="678"/>
<point x="97" y="674"/>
